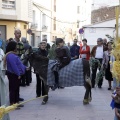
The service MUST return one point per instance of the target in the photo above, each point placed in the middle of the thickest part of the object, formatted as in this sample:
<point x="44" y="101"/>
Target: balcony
<point x="34" y="25"/>
<point x="8" y="6"/>
<point x="44" y="27"/>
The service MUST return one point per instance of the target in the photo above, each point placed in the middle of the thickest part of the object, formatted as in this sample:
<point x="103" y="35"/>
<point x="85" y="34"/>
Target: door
<point x="3" y="32"/>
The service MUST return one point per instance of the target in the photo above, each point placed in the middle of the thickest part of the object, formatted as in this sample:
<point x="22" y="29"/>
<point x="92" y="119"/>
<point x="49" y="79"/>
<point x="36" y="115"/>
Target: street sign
<point x="29" y="31"/>
<point x="81" y="31"/>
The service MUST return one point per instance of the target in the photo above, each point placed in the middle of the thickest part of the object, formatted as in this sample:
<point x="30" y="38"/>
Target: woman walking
<point x="106" y="63"/>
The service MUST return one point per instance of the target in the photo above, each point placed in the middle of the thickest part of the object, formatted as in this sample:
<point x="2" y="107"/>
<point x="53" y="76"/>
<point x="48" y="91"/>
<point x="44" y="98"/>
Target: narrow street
<point x="65" y="104"/>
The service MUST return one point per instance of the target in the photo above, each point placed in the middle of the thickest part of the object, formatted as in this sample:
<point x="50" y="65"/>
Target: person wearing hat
<point x="97" y="53"/>
<point x="85" y="50"/>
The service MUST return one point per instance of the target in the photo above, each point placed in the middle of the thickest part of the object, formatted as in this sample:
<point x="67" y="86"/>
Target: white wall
<point x="92" y="34"/>
<point x="99" y="33"/>
<point x="24" y="10"/>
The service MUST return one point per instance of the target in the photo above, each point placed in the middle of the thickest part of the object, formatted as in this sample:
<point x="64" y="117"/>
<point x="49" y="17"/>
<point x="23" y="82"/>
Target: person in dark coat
<point x="26" y="79"/>
<point x="74" y="50"/>
<point x="63" y="57"/>
<point x="40" y="84"/>
<point x="47" y="46"/>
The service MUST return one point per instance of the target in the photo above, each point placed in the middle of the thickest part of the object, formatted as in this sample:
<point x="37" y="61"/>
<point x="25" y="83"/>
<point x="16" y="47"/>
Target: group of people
<point x="14" y="66"/>
<point x="18" y="70"/>
<point x="101" y="53"/>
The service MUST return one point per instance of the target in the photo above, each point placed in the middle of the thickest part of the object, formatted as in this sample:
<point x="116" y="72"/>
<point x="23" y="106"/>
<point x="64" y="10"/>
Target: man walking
<point x="97" y="53"/>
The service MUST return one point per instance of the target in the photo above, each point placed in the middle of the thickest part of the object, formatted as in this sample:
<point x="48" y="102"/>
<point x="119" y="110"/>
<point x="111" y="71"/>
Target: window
<point x="55" y="37"/>
<point x="78" y="9"/>
<point x="77" y="24"/>
<point x="54" y="24"/>
<point x="44" y="37"/>
<point x="55" y="5"/>
<point x="9" y="4"/>
<point x="55" y="8"/>
<point x="33" y="16"/>
<point x="43" y="20"/>
<point x="25" y="26"/>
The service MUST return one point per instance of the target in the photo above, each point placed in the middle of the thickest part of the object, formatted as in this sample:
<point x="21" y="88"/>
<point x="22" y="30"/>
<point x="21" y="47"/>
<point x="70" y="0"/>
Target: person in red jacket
<point x="85" y="50"/>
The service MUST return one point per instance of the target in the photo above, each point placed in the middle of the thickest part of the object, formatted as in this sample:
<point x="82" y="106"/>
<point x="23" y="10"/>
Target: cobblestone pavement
<point x="65" y="104"/>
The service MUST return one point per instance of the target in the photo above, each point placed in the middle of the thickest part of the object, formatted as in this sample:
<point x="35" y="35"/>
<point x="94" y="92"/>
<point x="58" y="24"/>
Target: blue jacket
<point x="14" y="65"/>
<point x="74" y="50"/>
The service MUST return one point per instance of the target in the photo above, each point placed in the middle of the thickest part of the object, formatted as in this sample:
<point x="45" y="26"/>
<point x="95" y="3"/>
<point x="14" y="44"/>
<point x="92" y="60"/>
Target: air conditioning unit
<point x="34" y="25"/>
<point x="44" y="27"/>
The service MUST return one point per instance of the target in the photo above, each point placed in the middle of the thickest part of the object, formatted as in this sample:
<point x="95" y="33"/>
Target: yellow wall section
<point x="10" y="27"/>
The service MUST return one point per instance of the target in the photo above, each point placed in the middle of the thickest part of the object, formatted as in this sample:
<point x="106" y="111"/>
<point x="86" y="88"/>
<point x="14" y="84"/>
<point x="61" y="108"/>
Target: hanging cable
<point x="57" y="20"/>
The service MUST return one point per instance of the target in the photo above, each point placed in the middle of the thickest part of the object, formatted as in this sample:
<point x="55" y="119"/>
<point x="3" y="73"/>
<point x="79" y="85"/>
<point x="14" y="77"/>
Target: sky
<point x="99" y="3"/>
<point x="67" y="9"/>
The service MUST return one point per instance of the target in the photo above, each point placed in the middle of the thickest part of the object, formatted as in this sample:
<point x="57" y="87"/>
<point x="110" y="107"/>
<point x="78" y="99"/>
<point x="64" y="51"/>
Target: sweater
<point x="74" y="50"/>
<point x="87" y="52"/>
<point x="42" y="52"/>
<point x="14" y="65"/>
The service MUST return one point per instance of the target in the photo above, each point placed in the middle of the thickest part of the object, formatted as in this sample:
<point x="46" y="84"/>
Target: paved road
<point x="65" y="104"/>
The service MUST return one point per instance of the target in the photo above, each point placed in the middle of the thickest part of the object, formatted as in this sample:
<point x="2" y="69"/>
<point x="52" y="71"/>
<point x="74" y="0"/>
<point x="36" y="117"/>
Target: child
<point x="63" y="58"/>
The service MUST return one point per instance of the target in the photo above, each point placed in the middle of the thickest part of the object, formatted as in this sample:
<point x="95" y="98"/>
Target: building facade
<point x="41" y="23"/>
<point x="102" y="14"/>
<point x="73" y="15"/>
<point x="44" y="22"/>
<point x="15" y="14"/>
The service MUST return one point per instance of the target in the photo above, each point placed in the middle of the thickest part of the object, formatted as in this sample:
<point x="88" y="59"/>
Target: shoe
<point x="22" y="85"/>
<point x="109" y="88"/>
<point x="85" y="101"/>
<point x="43" y="103"/>
<point x="38" y="96"/>
<point x="89" y="99"/>
<point x="61" y="87"/>
<point x="54" y="87"/>
<point x="99" y="86"/>
<point x="20" y="105"/>
<point x="21" y="99"/>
